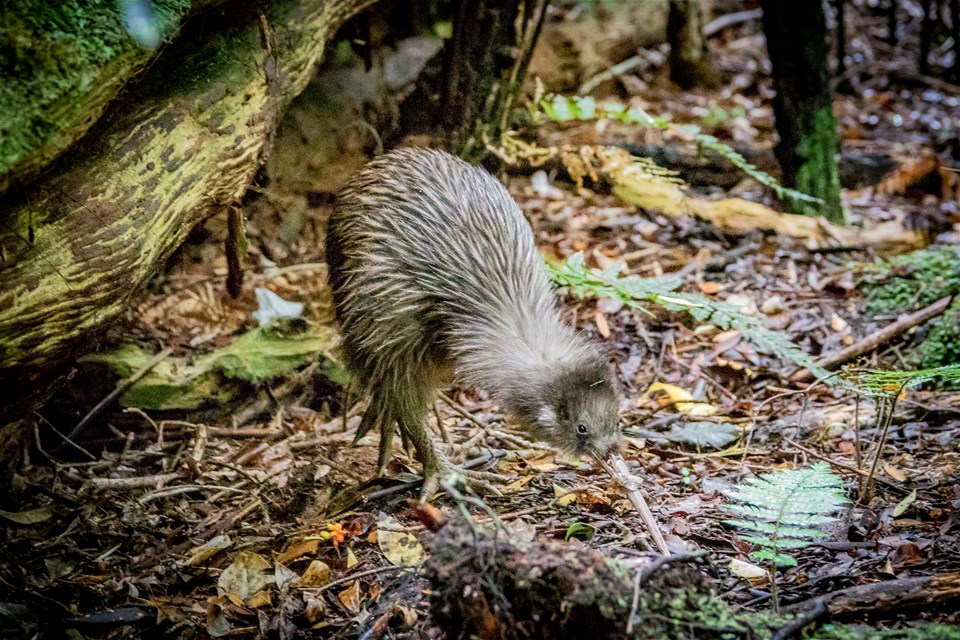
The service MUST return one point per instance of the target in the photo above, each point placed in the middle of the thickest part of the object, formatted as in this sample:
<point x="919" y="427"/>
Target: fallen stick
<point x="617" y="468"/>
<point x="890" y="596"/>
<point x="122" y="386"/>
<point x="877" y="338"/>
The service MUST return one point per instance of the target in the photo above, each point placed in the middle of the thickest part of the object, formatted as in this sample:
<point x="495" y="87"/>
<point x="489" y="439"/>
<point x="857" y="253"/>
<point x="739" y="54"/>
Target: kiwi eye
<point x="582" y="429"/>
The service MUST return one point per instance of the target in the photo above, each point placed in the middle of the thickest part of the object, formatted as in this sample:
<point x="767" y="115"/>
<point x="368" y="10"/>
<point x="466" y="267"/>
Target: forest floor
<point x="228" y="521"/>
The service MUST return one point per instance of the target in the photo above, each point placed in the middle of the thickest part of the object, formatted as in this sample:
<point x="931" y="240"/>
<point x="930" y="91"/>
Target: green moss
<point x="860" y="632"/>
<point x="819" y="175"/>
<point x="54" y="53"/>
<point x="913" y="281"/>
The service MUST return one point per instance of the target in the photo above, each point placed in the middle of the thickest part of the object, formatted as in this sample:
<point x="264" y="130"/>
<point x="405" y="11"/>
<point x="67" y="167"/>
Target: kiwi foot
<point x="484" y="481"/>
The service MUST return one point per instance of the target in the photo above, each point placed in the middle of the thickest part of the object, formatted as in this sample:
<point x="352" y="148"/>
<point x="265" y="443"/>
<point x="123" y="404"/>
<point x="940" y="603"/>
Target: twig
<point x="121" y="387"/>
<point x="842" y="465"/>
<point x="364" y="574"/>
<point x="64" y="438"/>
<point x="617" y="469"/>
<point x="874" y="340"/>
<point x="717" y="25"/>
<point x="133" y="483"/>
<point x="797" y="625"/>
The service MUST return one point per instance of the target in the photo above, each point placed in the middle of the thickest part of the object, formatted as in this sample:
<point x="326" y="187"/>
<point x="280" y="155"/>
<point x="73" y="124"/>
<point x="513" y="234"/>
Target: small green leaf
<point x="904" y="504"/>
<point x="580" y="530"/>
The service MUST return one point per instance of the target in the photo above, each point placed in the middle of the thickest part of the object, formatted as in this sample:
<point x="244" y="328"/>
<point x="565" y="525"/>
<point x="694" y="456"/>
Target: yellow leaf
<point x="564" y="496"/>
<point x="518" y="483"/>
<point x="837" y="323"/>
<point x="297" y="549"/>
<point x="259" y="599"/>
<point x="397" y="544"/>
<point x="351" y="559"/>
<point x="678" y="398"/>
<point x="603" y="327"/>
<point x="350" y="597"/>
<point x="894" y="473"/>
<point x="746" y="570"/>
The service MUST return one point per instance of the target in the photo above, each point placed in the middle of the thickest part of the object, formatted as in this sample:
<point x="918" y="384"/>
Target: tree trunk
<point x="796" y="35"/>
<point x="485" y="63"/>
<point x="183" y="144"/>
<point x="690" y="64"/>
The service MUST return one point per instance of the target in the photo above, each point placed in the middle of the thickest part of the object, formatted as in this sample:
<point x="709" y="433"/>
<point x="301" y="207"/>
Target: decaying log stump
<point x="486" y="586"/>
<point x="182" y="144"/>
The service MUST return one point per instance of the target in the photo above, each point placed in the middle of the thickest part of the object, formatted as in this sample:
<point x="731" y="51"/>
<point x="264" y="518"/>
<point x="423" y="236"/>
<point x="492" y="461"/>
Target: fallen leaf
<point x="894" y="473"/>
<point x="904" y="504"/>
<point x="318" y="573"/>
<point x="746" y="570"/>
<point x="518" y="483"/>
<point x="773" y="305"/>
<point x="246" y="575"/>
<point x="298" y="549"/>
<point x="580" y="529"/>
<point x="837" y="323"/>
<point x="260" y="599"/>
<point x="217" y="623"/>
<point x="30" y="516"/>
<point x="603" y="327"/>
<point x="678" y="398"/>
<point x="715" y="435"/>
<point x="351" y="559"/>
<point x="207" y="550"/>
<point x="710" y="288"/>
<point x="564" y="496"/>
<point x="397" y="544"/>
<point x="350" y="597"/>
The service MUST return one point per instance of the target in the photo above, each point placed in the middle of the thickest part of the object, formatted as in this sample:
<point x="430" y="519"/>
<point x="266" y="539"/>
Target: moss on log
<point x="184" y="143"/>
<point x="61" y="64"/>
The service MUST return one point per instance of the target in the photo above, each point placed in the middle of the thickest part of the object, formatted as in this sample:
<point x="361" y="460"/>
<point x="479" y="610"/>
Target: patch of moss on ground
<point x="913" y="281"/>
<point x="52" y="53"/>
<point x="860" y="632"/>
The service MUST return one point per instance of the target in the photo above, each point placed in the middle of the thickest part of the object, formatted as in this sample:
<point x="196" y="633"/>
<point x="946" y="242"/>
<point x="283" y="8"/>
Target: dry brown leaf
<point x="246" y="575"/>
<point x="297" y="549"/>
<point x="316" y="575"/>
<point x="350" y="597"/>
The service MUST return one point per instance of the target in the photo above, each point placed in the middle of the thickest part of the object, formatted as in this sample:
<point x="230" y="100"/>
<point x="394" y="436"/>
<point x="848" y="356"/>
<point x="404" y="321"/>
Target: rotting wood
<point x="890" y="597"/>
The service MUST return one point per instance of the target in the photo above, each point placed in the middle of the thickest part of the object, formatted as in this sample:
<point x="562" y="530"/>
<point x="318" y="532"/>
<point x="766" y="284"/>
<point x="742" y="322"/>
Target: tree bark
<point x="485" y="63"/>
<point x="796" y="35"/>
<point x="690" y="64"/>
<point x="185" y="143"/>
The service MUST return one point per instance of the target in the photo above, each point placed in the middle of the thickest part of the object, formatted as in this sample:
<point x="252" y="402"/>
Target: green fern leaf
<point x="783" y="510"/>
<point x="573" y="275"/>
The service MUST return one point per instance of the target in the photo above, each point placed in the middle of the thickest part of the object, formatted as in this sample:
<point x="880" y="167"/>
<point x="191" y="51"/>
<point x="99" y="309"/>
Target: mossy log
<point x="61" y="64"/>
<point x="182" y="143"/>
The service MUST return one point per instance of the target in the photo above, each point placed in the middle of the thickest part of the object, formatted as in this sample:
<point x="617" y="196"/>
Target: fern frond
<point x="565" y="109"/>
<point x="573" y="275"/>
<point x="782" y="510"/>
<point x="888" y="384"/>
